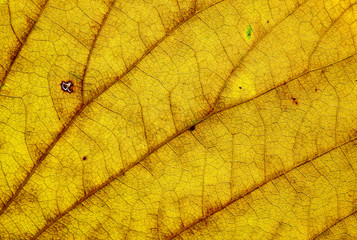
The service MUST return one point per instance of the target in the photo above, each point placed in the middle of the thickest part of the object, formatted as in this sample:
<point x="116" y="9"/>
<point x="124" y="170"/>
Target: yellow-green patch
<point x="249" y="32"/>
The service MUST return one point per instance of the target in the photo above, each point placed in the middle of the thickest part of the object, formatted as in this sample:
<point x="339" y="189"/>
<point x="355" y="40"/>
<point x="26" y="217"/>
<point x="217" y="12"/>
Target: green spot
<point x="249" y="32"/>
<point x="78" y="78"/>
<point x="194" y="122"/>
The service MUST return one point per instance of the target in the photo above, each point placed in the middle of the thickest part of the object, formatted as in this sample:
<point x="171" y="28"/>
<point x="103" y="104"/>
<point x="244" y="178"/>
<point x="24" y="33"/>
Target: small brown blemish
<point x="316" y="89"/>
<point x="84" y="158"/>
<point x="267" y="21"/>
<point x="295" y="101"/>
<point x="240" y="87"/>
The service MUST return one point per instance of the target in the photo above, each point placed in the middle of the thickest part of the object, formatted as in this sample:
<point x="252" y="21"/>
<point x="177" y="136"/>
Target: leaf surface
<point x="183" y="119"/>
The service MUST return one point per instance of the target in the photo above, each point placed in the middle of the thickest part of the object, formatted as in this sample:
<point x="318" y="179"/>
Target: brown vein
<point x="12" y="27"/>
<point x="21" y="43"/>
<point x="93" y="46"/>
<point x="112" y="178"/>
<point x="335" y="223"/>
<point x="327" y="30"/>
<point x="44" y="155"/>
<point x="84" y="105"/>
<point x="123" y="171"/>
<point x="247" y="53"/>
<point x="214" y="211"/>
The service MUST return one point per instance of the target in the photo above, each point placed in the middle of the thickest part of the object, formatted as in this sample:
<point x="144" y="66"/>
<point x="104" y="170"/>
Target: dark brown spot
<point x="84" y="158"/>
<point x="316" y="89"/>
<point x="192" y="128"/>
<point x="267" y="21"/>
<point x="295" y="101"/>
<point x="240" y="87"/>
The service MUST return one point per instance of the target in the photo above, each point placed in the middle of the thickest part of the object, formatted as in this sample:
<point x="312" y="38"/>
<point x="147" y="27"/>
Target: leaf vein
<point x="21" y="44"/>
<point x="154" y="149"/>
<point x="259" y="187"/>
<point x="84" y="105"/>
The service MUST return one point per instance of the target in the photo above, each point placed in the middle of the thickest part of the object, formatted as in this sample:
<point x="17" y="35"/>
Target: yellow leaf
<point x="178" y="119"/>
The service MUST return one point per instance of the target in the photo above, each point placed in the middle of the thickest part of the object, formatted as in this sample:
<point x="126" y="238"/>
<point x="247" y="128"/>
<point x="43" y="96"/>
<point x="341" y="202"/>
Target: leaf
<point x="178" y="119"/>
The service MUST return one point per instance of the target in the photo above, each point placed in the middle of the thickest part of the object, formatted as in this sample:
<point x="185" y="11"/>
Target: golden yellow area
<point x="207" y="119"/>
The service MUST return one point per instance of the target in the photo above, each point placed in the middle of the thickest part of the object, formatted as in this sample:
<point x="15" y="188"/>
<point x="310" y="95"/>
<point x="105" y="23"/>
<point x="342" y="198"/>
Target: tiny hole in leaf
<point x="67" y="86"/>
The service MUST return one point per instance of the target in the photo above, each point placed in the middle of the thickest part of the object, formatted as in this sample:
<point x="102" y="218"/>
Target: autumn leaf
<point x="177" y="119"/>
